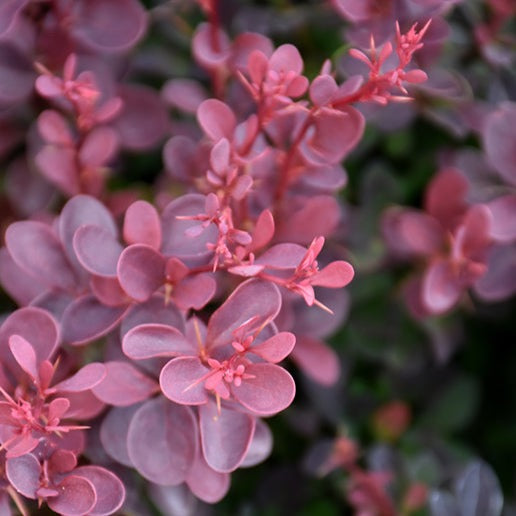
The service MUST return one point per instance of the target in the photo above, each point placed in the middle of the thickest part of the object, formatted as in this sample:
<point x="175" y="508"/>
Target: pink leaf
<point x="25" y="356"/>
<point x="108" y="291"/>
<point x="184" y="94"/>
<point x="141" y="271"/>
<point x="282" y="256"/>
<point x="194" y="292"/>
<point x="216" y="119"/>
<point x="269" y="390"/>
<point x="317" y="360"/>
<point x="155" y="340"/>
<point x="76" y="497"/>
<point x="276" y="348"/>
<point x="142" y="225"/>
<point x="54" y="128"/>
<point x="445" y="197"/>
<point x="162" y="440"/>
<point x="99" y="146"/>
<point x="85" y="378"/>
<point x="251" y="298"/>
<point x="181" y="381"/>
<point x="58" y="165"/>
<point x="205" y="483"/>
<point x="124" y="385"/>
<point x="322" y="89"/>
<point x="263" y="230"/>
<point x="206" y="53"/>
<point x="441" y="289"/>
<point x="97" y="250"/>
<point x="335" y="275"/>
<point x="225" y="436"/>
<point x="109" y="490"/>
<point x="286" y="58"/>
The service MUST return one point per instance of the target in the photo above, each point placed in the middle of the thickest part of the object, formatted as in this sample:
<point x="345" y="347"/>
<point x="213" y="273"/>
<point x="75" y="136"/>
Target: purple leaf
<point x="124" y="385"/>
<point x="19" y="285"/>
<point x="109" y="489"/>
<point x="85" y="378"/>
<point x="54" y="128"/>
<point x="49" y="264"/>
<point x="95" y="19"/>
<point x="23" y="473"/>
<point x="261" y="445"/>
<point x="270" y="390"/>
<point x="97" y="250"/>
<point x="86" y="320"/>
<point x="143" y="122"/>
<point x="142" y="225"/>
<point x="79" y="211"/>
<point x="76" y="497"/>
<point x="282" y="256"/>
<point x="141" y="271"/>
<point x="225" y="436"/>
<point x="113" y="433"/>
<point x="181" y="381"/>
<point x="176" y="242"/>
<point x="152" y="311"/>
<point x="162" y="440"/>
<point x="205" y="483"/>
<point x="155" y="340"/>
<point x="500" y="141"/>
<point x="184" y="94"/>
<point x="503" y="222"/>
<point x="8" y="13"/>
<point x="108" y="291"/>
<point x="251" y="298"/>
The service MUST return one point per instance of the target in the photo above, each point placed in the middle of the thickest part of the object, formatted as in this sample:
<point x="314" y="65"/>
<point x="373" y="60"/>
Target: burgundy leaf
<point x="25" y="356"/>
<point x="99" y="146"/>
<point x="194" y="292"/>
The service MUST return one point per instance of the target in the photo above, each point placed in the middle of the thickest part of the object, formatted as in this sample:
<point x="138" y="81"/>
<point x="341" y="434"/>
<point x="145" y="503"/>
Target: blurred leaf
<point x="478" y="491"/>
<point x="453" y="407"/>
<point x="443" y="504"/>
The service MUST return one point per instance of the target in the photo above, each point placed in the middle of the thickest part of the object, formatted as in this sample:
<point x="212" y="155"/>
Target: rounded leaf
<point x="142" y="225"/>
<point x="23" y="473"/>
<point x="181" y="380"/>
<point x="162" y="440"/>
<point x="76" y="497"/>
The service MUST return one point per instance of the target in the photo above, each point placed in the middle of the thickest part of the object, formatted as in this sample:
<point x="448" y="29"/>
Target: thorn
<point x="323" y="307"/>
